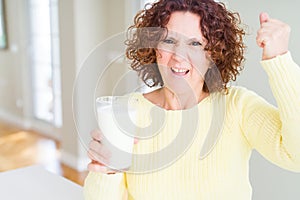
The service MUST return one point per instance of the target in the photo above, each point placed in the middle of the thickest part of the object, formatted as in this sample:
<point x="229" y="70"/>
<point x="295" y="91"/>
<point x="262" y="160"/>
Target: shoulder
<point x="239" y="96"/>
<point x="236" y="92"/>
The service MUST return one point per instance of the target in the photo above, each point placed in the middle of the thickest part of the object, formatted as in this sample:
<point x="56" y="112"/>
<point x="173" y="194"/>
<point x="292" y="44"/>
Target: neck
<point x="181" y="101"/>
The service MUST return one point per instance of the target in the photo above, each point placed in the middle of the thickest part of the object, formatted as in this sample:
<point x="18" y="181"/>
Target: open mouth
<point x="180" y="72"/>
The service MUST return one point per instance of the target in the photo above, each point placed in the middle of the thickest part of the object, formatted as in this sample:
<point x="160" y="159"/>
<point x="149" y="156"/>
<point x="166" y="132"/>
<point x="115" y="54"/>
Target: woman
<point x="177" y="45"/>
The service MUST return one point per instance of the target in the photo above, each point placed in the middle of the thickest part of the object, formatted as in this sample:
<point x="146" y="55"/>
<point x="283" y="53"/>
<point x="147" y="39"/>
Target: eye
<point x="169" y="41"/>
<point x="195" y="43"/>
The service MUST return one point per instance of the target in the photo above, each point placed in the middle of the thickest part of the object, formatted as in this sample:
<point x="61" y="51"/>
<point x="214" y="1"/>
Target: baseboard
<point x="79" y="164"/>
<point x="33" y="124"/>
<point x="14" y="120"/>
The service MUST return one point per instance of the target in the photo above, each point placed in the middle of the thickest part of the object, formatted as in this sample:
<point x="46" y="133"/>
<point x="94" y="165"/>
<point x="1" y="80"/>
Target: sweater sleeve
<point x="98" y="186"/>
<point x="275" y="132"/>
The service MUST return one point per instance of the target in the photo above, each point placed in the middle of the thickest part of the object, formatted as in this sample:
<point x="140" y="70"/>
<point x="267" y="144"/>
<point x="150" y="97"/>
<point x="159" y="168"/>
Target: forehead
<point x="185" y="23"/>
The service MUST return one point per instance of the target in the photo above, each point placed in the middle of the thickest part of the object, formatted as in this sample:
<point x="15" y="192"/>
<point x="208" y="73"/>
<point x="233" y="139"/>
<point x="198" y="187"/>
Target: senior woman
<point x="190" y="39"/>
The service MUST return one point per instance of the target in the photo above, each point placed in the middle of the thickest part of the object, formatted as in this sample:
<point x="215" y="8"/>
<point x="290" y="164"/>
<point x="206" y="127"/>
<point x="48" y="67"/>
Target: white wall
<point x="91" y="39"/>
<point x="84" y="25"/>
<point x="268" y="181"/>
<point x="15" y="93"/>
<point x="12" y="64"/>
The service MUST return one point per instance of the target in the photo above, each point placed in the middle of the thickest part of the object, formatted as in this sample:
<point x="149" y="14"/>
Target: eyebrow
<point x="173" y="37"/>
<point x="195" y="39"/>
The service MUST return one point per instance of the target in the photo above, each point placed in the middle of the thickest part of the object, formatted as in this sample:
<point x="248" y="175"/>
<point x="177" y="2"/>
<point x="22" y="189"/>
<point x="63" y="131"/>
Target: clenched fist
<point x="272" y="37"/>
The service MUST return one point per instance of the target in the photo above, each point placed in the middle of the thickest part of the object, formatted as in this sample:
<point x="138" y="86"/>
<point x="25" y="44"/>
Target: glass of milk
<point x="116" y="115"/>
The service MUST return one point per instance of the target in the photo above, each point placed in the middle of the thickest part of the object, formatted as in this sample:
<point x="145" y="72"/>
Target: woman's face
<point x="181" y="58"/>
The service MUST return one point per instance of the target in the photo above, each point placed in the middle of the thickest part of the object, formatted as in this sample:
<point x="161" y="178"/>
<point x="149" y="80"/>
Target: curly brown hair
<point x="220" y="27"/>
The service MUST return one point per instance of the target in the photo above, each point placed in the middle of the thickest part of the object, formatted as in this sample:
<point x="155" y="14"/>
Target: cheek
<point x="163" y="57"/>
<point x="200" y="62"/>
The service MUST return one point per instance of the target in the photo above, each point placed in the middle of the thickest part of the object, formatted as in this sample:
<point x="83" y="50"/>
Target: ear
<point x="157" y="53"/>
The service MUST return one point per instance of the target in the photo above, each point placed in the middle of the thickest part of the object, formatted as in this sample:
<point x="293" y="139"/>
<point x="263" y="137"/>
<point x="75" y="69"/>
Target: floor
<point x="20" y="148"/>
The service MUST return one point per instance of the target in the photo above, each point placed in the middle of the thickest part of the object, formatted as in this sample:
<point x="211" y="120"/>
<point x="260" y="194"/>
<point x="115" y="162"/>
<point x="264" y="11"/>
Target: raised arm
<point x="275" y="132"/>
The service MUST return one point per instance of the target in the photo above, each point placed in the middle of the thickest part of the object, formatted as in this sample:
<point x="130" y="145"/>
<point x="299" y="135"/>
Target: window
<point x="3" y="40"/>
<point x="44" y="60"/>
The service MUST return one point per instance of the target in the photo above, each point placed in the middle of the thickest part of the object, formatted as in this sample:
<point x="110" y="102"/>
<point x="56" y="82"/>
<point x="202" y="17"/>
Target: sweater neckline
<point x="203" y="102"/>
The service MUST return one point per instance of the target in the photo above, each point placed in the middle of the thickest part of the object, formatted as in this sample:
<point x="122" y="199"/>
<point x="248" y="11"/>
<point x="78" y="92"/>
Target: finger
<point x="96" y="167"/>
<point x="97" y="135"/>
<point x="99" y="149"/>
<point x="259" y="38"/>
<point x="102" y="167"/>
<point x="262" y="40"/>
<point x="271" y="25"/>
<point x="263" y="17"/>
<point x="263" y="35"/>
<point x="97" y="157"/>
<point x="135" y="141"/>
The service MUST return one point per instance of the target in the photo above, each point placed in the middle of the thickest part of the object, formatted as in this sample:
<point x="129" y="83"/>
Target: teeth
<point x="179" y="70"/>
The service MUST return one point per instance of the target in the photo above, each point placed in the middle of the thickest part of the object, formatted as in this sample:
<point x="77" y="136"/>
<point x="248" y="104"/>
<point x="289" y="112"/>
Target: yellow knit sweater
<point x="249" y="123"/>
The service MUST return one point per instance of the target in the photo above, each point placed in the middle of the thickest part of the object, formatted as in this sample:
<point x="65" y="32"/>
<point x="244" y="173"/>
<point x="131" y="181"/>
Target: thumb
<point x="263" y="17"/>
<point x="136" y="140"/>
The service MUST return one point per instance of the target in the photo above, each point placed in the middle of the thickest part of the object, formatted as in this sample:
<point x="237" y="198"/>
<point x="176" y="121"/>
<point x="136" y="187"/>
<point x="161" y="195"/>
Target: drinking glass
<point x="115" y="119"/>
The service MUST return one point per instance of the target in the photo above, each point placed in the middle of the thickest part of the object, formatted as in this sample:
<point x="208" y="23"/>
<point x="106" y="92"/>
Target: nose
<point x="180" y="53"/>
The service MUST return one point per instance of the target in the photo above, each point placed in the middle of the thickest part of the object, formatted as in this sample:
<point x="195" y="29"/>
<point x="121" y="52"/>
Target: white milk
<point x="114" y="124"/>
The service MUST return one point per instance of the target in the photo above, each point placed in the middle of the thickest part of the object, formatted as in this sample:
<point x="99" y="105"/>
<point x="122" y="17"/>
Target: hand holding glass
<point x="115" y="115"/>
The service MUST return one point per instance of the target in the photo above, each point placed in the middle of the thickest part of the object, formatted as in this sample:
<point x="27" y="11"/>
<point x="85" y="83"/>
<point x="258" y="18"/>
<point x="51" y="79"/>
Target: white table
<point x="36" y="183"/>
